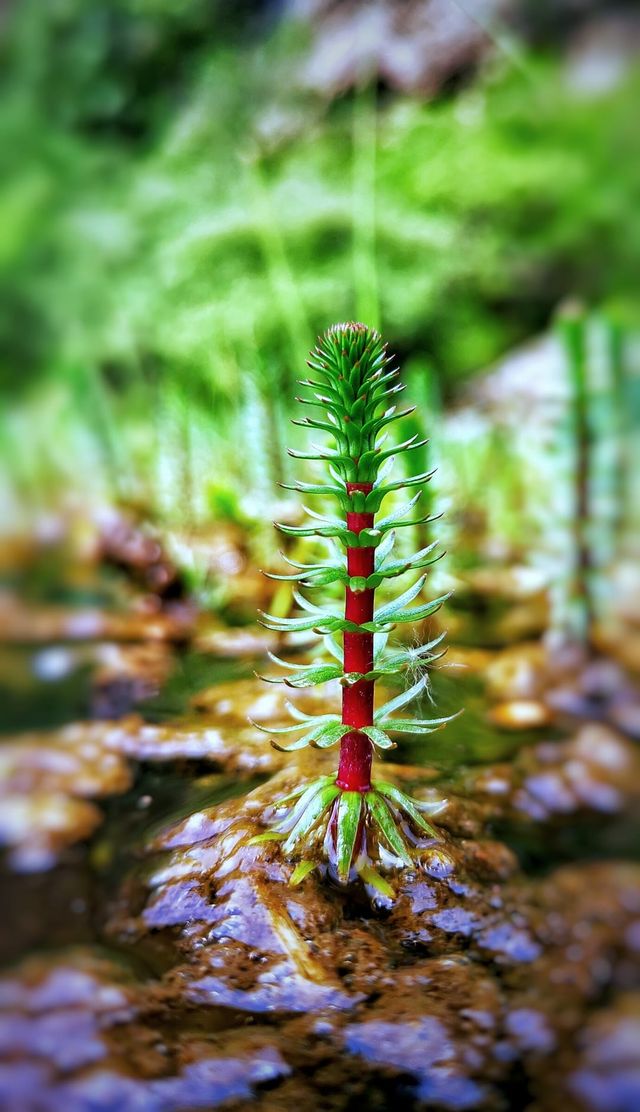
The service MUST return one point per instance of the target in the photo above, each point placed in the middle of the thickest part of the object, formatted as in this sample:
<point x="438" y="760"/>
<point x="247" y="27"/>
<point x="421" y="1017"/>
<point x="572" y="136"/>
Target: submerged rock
<point x="497" y="606"/>
<point x="126" y="675"/>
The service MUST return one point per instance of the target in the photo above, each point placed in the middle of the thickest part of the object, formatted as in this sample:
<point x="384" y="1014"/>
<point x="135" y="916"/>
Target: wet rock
<point x="80" y="1034"/>
<point x="137" y="550"/>
<point x="602" y="691"/>
<point x="126" y="675"/>
<point x="46" y="782"/>
<point x="520" y="714"/>
<point x="606" y="1074"/>
<point x="229" y="642"/>
<point x="417" y="1032"/>
<point x="36" y="828"/>
<point x="24" y="623"/>
<point x="619" y="638"/>
<point x="411" y="46"/>
<point x="498" y="606"/>
<point x="252" y="942"/>
<point x="596" y="771"/>
<point x="234" y="748"/>
<point x="262" y="702"/>
<point x="474" y="973"/>
<point x="47" y="778"/>
<point x="517" y="672"/>
<point x="471" y="971"/>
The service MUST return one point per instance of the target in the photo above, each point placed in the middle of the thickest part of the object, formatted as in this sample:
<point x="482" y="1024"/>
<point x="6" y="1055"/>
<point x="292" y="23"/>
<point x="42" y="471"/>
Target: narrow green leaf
<point x="286" y="625"/>
<point x="337" y="521"/>
<point x="301" y="872"/>
<point x="417" y="613"/>
<point x="311" y="815"/>
<point x="334" y="650"/>
<point x="402" y="699"/>
<point x="390" y="791"/>
<point x="339" y="562"/>
<point x="310" y="530"/>
<point x="309" y="793"/>
<point x="323" y="578"/>
<point x="378" y="737"/>
<point x="416" y="726"/>
<point x="302" y="716"/>
<point x="309" y="677"/>
<point x="348" y="823"/>
<point x="386" y="823"/>
<point x="418" y="560"/>
<point x="268" y="836"/>
<point x="314" y="488"/>
<point x="392" y="608"/>
<point x="299" y="791"/>
<point x="277" y="729"/>
<point x="372" y="877"/>
<point x="384" y="549"/>
<point x="326" y="736"/>
<point x="402" y="512"/>
<point x="397" y="524"/>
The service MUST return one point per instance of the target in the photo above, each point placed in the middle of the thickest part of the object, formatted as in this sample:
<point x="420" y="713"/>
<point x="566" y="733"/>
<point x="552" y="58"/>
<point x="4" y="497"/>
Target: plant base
<point x="354" y="833"/>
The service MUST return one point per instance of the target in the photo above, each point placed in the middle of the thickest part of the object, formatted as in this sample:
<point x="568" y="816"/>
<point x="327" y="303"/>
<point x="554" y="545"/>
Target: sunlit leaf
<point x="386" y="824"/>
<point x="301" y="872"/>
<point x="347" y="826"/>
<point x="402" y="699"/>
<point x="310" y="816"/>
<point x="378" y="737"/>
<point x="390" y="791"/>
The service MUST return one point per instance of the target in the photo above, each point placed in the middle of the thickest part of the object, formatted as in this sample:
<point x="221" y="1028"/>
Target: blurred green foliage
<point x="180" y="218"/>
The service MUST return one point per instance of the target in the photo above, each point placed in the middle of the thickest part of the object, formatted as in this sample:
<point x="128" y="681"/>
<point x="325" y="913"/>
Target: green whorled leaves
<point x="314" y="674"/>
<point x="324" y="621"/>
<point x="314" y="575"/>
<point x="310" y="675"/>
<point x="374" y="499"/>
<point x="327" y="730"/>
<point x="336" y="528"/>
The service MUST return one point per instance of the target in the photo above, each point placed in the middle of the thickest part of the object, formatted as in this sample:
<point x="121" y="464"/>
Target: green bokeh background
<point x="181" y="216"/>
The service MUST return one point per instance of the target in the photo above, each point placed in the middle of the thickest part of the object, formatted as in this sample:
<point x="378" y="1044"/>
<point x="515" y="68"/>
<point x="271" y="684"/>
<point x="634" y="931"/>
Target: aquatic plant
<point x="360" y="822"/>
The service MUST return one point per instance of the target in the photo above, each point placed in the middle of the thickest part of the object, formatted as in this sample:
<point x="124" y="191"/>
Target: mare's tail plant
<point x="358" y="823"/>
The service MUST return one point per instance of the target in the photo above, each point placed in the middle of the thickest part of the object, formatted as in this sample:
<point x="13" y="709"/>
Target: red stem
<point x="356" y="750"/>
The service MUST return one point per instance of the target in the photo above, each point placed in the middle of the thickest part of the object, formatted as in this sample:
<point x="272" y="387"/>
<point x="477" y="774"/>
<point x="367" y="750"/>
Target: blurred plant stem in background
<point x="623" y="426"/>
<point x="572" y="327"/>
